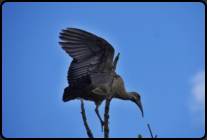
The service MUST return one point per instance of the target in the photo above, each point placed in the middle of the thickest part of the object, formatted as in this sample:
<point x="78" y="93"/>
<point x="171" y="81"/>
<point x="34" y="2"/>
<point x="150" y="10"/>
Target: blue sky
<point x="162" y="57"/>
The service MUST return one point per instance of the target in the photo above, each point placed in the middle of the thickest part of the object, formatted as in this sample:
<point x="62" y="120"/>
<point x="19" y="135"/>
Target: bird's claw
<point x="102" y="124"/>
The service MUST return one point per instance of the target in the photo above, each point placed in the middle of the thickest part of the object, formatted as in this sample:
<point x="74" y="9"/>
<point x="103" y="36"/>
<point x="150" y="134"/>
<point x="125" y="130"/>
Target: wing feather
<point x="90" y="53"/>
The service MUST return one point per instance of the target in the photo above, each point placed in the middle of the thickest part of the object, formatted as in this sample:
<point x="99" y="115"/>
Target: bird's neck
<point x="125" y="96"/>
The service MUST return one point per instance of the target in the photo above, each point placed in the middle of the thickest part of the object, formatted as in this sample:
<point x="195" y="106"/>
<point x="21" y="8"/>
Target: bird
<point x="89" y="72"/>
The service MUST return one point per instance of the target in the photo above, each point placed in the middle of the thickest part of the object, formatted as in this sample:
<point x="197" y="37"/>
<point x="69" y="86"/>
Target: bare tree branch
<point x="109" y="97"/>
<point x="150" y="130"/>
<point x="90" y="135"/>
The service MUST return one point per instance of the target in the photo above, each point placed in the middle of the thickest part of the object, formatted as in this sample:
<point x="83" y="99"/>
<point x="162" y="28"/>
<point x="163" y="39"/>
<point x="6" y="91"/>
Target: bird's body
<point x="89" y="72"/>
<point x="95" y="89"/>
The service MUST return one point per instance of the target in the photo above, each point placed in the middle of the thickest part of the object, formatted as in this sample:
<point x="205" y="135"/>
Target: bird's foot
<point x="102" y="124"/>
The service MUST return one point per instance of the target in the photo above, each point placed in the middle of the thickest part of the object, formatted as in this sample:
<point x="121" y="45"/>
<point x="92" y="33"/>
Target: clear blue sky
<point x="162" y="57"/>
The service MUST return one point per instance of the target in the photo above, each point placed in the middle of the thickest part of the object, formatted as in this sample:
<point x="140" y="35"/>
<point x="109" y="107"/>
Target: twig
<point x="109" y="90"/>
<point x="90" y="135"/>
<point x="150" y="130"/>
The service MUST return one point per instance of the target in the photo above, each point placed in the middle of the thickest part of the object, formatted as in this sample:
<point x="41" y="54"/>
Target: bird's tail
<point x="70" y="94"/>
<point x="77" y="89"/>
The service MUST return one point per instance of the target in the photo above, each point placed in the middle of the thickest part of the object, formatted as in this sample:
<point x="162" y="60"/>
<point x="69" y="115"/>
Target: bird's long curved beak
<point x="140" y="106"/>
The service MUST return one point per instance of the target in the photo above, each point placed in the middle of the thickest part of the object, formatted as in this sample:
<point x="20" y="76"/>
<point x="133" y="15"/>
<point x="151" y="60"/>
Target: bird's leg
<point x="102" y="122"/>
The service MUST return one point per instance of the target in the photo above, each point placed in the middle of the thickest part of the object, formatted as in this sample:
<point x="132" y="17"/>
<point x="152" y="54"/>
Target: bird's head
<point x="137" y="100"/>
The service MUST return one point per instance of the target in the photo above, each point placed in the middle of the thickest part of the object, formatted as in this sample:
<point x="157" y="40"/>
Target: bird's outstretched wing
<point x="90" y="53"/>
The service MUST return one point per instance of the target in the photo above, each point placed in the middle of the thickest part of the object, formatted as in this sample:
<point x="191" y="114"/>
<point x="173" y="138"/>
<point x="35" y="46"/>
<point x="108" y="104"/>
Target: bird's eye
<point x="139" y="96"/>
